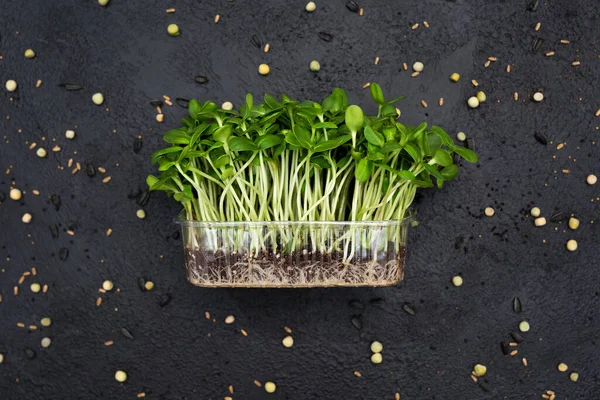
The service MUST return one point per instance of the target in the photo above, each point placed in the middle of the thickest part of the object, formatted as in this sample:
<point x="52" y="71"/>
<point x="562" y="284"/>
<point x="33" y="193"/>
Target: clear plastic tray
<point x="295" y="254"/>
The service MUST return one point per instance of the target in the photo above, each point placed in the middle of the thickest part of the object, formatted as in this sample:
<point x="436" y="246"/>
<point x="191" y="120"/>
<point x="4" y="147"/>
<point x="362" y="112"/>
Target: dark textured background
<point x="124" y="51"/>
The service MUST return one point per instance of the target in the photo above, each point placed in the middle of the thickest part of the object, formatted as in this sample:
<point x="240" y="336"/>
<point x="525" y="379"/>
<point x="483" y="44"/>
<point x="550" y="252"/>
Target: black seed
<point x="201" y="79"/>
<point x="182" y="102"/>
<point x="157" y="103"/>
<point x="409" y="309"/>
<point x="537" y="45"/>
<point x="328" y="37"/>
<point x="256" y="42"/>
<point x="29" y="353"/>
<point x="144" y="198"/>
<point x="137" y="145"/>
<point x="458" y="243"/>
<point x="470" y="144"/>
<point x="541" y="137"/>
<point x="455" y="158"/>
<point x="90" y="170"/>
<point x="357" y="322"/>
<point x="352" y="6"/>
<point x="484" y="385"/>
<point x="505" y="348"/>
<point x="516" y="337"/>
<point x="63" y="254"/>
<point x="70" y="86"/>
<point x="356" y="304"/>
<point x="164" y="299"/>
<point x="55" y="199"/>
<point x="377" y="302"/>
<point x="533" y="5"/>
<point x="560" y="217"/>
<point x="517" y="305"/>
<point x="126" y="333"/>
<point x="175" y="235"/>
<point x="53" y="231"/>
<point x="134" y="193"/>
<point x="142" y="284"/>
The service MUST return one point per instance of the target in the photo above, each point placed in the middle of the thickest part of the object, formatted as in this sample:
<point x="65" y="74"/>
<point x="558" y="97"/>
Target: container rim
<point x="182" y="220"/>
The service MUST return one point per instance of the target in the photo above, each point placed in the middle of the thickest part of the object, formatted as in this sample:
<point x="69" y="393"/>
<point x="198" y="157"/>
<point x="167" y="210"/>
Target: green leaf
<point x="272" y="102"/>
<point x="291" y="138"/>
<point x="449" y="172"/>
<point x="325" y="125"/>
<point x="417" y="131"/>
<point x="332" y="144"/>
<point x="442" y="158"/>
<point x="396" y="99"/>
<point x="267" y="141"/>
<point x="422" y="184"/>
<point x="389" y="110"/>
<point x="377" y="93"/>
<point x="363" y="170"/>
<point x="434" y="142"/>
<point x="414" y="152"/>
<point x="320" y="161"/>
<point x="176" y="137"/>
<point x="162" y="152"/>
<point x="240" y="143"/>
<point x="434" y="171"/>
<point x="194" y="108"/>
<point x="222" y="134"/>
<point x="446" y="139"/>
<point x="303" y="136"/>
<point x="354" y="118"/>
<point x="467" y="154"/>
<point x="341" y="94"/>
<point x="373" y="137"/>
<point x="151" y="180"/>
<point x="222" y="161"/>
<point x="389" y="147"/>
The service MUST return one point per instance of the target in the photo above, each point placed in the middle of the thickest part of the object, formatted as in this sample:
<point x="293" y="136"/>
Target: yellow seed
<point x="121" y="376"/>
<point x="454" y="77"/>
<point x="160" y="117"/>
<point x="35" y="287"/>
<point x="481" y="96"/>
<point x="573" y="223"/>
<point x="376" y="347"/>
<point x="173" y="29"/>
<point x="591" y="179"/>
<point x="15" y="194"/>
<point x="46" y="322"/>
<point x="524" y="326"/>
<point x="230" y="319"/>
<point x="376" y="358"/>
<point x="541" y="221"/>
<point x="288" y="341"/>
<point x="572" y="245"/>
<point x="141" y="214"/>
<point x="310" y="7"/>
<point x="270" y="387"/>
<point x="149" y="285"/>
<point x="264" y="69"/>
<point x="107" y="285"/>
<point x="29" y="53"/>
<point x="479" y="370"/>
<point x="574" y="376"/>
<point x="457" y="280"/>
<point x="562" y="367"/>
<point x="424" y="103"/>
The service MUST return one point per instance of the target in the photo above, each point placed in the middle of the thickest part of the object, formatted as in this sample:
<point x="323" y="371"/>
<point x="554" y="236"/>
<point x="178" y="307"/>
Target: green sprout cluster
<point x="288" y="160"/>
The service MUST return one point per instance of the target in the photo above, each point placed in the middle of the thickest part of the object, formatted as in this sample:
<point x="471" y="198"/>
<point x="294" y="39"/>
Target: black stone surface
<point x="124" y="51"/>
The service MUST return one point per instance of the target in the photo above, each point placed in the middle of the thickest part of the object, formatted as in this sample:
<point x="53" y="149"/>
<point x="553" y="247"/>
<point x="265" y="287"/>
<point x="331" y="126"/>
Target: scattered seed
<point x="376" y="60"/>
<point x="473" y="102"/>
<point x="479" y="370"/>
<point x="405" y="66"/>
<point x="109" y="343"/>
<point x="454" y="77"/>
<point x="562" y="367"/>
<point x="46" y="342"/>
<point x="564" y="41"/>
<point x="70" y="86"/>
<point x="16" y="292"/>
<point x="243" y="331"/>
<point x="523" y="327"/>
<point x="366" y="85"/>
<point x="98" y="301"/>
<point x="591" y="179"/>
<point x="516" y="337"/>
<point x="540" y="221"/>
<point x="141" y="395"/>
<point x="170" y="10"/>
<point x="549" y="54"/>
<point x="149" y="285"/>
<point x="328" y="37"/>
<point x="98" y="99"/>
<point x="127" y="334"/>
<point x="408" y="308"/>
<point x="41" y="152"/>
<point x="514" y="352"/>
<point x="21" y="279"/>
<point x="310" y="6"/>
<point x="20" y="325"/>
<point x="572" y="245"/>
<point x="217" y="18"/>
<point x="288" y="341"/>
<point x="538" y="26"/>
<point x="524" y="361"/>
<point x="376" y="358"/>
<point x="457" y="280"/>
<point x="517" y="305"/>
<point x="26" y="218"/>
<point x="270" y="387"/>
<point x="357" y="322"/>
<point x="29" y="353"/>
<point x="574" y="376"/>
<point x="424" y="103"/>
<point x="288" y="330"/>
<point x="597" y="114"/>
<point x="441" y="101"/>
<point x="533" y="5"/>
<point x="492" y="59"/>
<point x="106" y="180"/>
<point x="121" y="376"/>
<point x="267" y="48"/>
<point x="414" y="74"/>
<point x="508" y="68"/>
<point x="576" y="63"/>
<point x="264" y="69"/>
<point x="426" y="24"/>
<point x="11" y="85"/>
<point x="489" y="211"/>
<point x="541" y="138"/>
<point x="516" y="96"/>
<point x="537" y="45"/>
<point x="538" y="97"/>
<point x="230" y="319"/>
<point x="38" y="83"/>
<point x="487" y="64"/>
<point x="173" y="29"/>
<point x="418" y="66"/>
<point x="352" y="6"/>
<point x="415" y="26"/>
<point x="361" y="12"/>
<point x="357" y="373"/>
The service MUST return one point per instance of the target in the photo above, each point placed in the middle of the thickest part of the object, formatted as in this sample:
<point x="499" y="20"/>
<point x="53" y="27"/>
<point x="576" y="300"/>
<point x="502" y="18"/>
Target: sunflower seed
<point x="53" y="231"/>
<point x="145" y="197"/>
<point x="541" y="137"/>
<point x="182" y="102"/>
<point x="134" y="193"/>
<point x="176" y="235"/>
<point x="90" y="170"/>
<point x="516" y="337"/>
<point x="165" y="299"/>
<point x="458" y="243"/>
<point x="505" y="348"/>
<point x="63" y="253"/>
<point x="201" y="79"/>
<point x="137" y="144"/>
<point x="328" y="37"/>
<point x="29" y="353"/>
<point x="357" y="322"/>
<point x="377" y="302"/>
<point x="409" y="309"/>
<point x="142" y="284"/>
<point x="560" y="217"/>
<point x="70" y="86"/>
<point x="156" y="103"/>
<point x="537" y="45"/>
<point x="256" y="42"/>
<point x="470" y="144"/>
<point x="533" y="5"/>
<point x="517" y="305"/>
<point x="484" y="385"/>
<point x="352" y="6"/>
<point x="356" y="304"/>
<point x="55" y="200"/>
<point x="127" y="334"/>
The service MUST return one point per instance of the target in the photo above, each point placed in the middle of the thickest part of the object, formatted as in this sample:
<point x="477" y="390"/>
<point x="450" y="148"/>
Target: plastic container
<point x="294" y="254"/>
